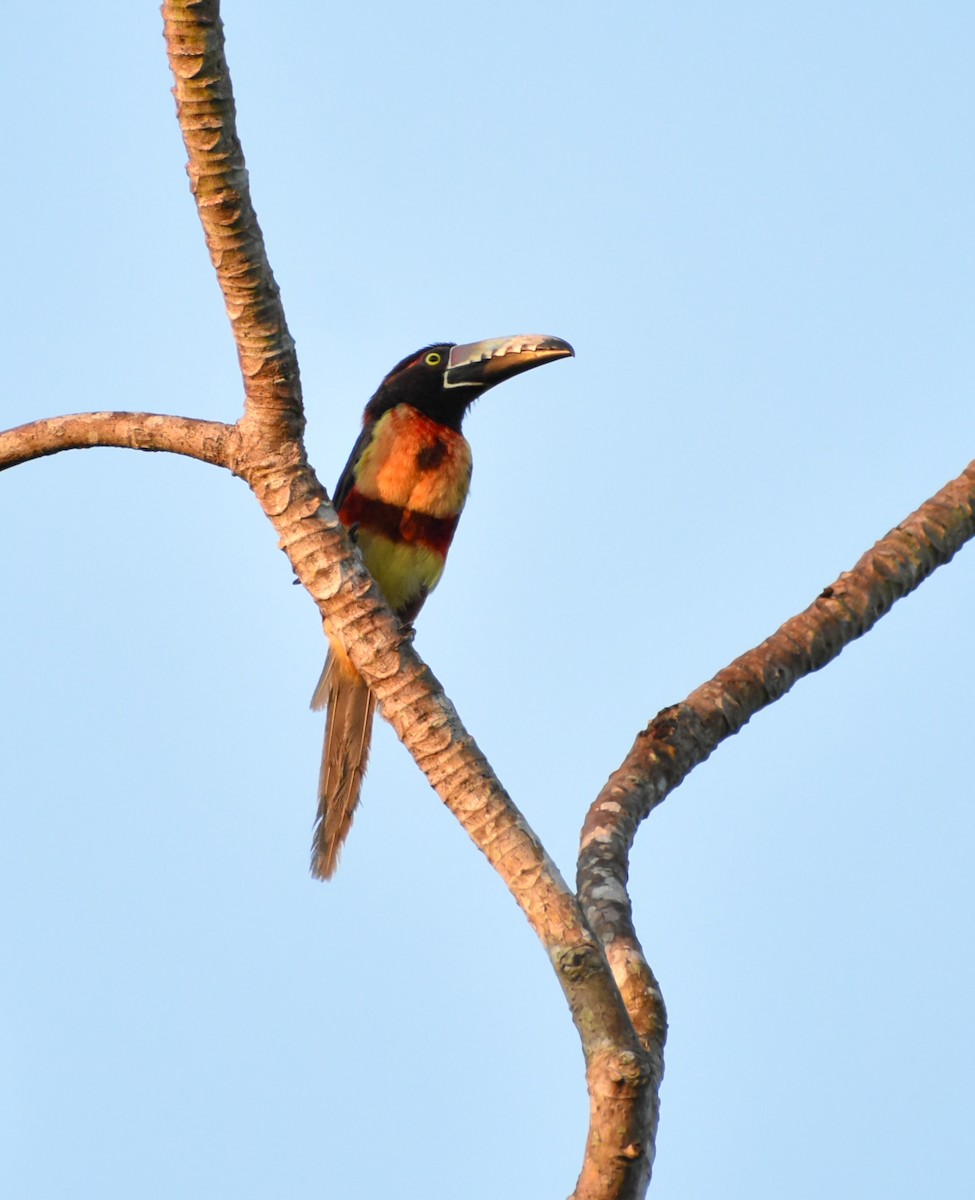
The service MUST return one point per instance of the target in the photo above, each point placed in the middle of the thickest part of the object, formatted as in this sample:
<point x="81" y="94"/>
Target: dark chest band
<point x="398" y="524"/>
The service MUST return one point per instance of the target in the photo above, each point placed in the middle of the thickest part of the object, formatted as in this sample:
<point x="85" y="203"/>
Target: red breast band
<point x="398" y="524"/>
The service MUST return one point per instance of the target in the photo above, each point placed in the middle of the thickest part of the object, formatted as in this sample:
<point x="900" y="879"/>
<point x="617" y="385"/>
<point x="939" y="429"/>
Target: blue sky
<point x="754" y="224"/>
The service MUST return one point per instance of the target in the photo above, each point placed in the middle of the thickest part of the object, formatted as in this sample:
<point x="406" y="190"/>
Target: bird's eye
<point x="433" y="359"/>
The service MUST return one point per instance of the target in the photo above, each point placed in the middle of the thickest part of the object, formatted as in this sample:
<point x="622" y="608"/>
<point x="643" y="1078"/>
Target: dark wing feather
<point x="347" y="478"/>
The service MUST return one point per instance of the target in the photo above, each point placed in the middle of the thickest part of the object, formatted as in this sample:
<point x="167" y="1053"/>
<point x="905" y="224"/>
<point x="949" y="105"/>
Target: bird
<point x="400" y="496"/>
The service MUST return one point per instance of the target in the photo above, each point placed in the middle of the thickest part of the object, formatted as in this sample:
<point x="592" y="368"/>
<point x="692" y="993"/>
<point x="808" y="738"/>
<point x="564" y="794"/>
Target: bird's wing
<point x="347" y="478"/>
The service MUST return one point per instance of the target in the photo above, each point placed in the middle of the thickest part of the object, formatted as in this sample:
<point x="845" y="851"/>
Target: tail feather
<point x="348" y="731"/>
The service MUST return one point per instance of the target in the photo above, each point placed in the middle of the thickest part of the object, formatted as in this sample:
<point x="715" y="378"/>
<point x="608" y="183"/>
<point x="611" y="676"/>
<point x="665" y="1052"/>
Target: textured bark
<point x="411" y="699"/>
<point x="612" y="995"/>
<point x="684" y="735"/>
<point x="265" y="448"/>
<point x="209" y="441"/>
<point x="218" y="180"/>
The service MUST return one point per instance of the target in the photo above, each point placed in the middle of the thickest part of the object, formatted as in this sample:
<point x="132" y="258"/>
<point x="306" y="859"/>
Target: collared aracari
<point x="401" y="495"/>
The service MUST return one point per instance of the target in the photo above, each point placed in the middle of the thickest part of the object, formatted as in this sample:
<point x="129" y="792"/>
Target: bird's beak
<point x="483" y="364"/>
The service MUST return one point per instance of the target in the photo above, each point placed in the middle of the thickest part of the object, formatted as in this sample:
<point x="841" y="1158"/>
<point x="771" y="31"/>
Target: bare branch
<point x="613" y="997"/>
<point x="273" y="463"/>
<point x="218" y="180"/>
<point x="683" y="735"/>
<point x="209" y="441"/>
<point x="414" y="703"/>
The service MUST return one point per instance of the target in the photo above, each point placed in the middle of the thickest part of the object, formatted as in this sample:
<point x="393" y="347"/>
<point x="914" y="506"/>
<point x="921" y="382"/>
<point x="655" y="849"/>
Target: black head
<point x="443" y="380"/>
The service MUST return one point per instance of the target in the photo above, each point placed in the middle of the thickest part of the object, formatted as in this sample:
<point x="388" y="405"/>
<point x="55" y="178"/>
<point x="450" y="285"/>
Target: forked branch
<point x="684" y="735"/>
<point x="266" y="449"/>
<point x="618" y="1012"/>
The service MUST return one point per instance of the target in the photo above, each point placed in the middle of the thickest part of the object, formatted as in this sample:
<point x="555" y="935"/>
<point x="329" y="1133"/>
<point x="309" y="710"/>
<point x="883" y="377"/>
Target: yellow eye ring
<point x="433" y="359"/>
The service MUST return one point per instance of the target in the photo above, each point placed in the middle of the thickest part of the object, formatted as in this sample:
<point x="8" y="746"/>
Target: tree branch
<point x="622" y="1024"/>
<point x="209" y="441"/>
<point x="273" y="463"/>
<point x="684" y="735"/>
<point x="414" y="703"/>
<point x="218" y="179"/>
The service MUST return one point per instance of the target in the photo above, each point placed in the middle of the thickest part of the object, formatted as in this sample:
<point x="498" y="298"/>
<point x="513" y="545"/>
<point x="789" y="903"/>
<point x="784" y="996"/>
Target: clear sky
<point x="754" y="222"/>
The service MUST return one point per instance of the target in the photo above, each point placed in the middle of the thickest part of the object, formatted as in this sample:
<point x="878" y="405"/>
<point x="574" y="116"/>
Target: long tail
<point x="348" y="730"/>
